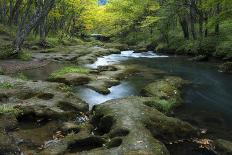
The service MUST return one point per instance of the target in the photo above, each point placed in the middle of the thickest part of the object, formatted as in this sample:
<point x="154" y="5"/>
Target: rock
<point x="226" y="67"/>
<point x="100" y="37"/>
<point x="200" y="58"/>
<point x="69" y="127"/>
<point x="107" y="68"/>
<point x="102" y="86"/>
<point x="71" y="79"/>
<point x="116" y="127"/>
<point x="127" y="117"/>
<point x="8" y="146"/>
<point x="165" y="93"/>
<point x="223" y="147"/>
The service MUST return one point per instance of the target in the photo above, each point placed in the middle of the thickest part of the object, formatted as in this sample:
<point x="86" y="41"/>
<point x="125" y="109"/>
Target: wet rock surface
<point x="32" y="113"/>
<point x="124" y="126"/>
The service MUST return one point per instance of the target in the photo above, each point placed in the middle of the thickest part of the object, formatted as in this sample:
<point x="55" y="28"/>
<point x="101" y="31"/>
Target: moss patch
<point x="25" y="56"/>
<point x="6" y="85"/>
<point x="67" y="70"/>
<point x="8" y="109"/>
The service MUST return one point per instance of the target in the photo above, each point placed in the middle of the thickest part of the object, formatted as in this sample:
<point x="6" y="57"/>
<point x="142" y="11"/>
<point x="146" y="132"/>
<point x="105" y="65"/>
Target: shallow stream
<point x="208" y="100"/>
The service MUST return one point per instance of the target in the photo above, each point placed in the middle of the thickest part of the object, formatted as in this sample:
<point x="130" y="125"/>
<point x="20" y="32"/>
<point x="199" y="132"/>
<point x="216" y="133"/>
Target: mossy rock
<point x="226" y="67"/>
<point x="165" y="93"/>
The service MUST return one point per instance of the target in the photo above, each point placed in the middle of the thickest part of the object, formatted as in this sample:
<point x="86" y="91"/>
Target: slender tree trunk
<point x="184" y="26"/>
<point x="4" y="11"/>
<point x="201" y="20"/>
<point x="42" y="34"/>
<point x="15" y="11"/>
<point x="206" y="25"/>
<point x="192" y="20"/>
<point x="217" y="27"/>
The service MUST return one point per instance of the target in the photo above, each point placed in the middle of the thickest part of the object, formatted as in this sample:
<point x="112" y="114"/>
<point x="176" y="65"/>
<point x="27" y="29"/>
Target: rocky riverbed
<point x="48" y="118"/>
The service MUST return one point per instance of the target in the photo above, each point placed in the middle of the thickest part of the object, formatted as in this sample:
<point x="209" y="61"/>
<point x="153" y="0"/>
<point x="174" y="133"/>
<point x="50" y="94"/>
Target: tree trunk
<point x="217" y="28"/>
<point x="4" y="11"/>
<point x="15" y="11"/>
<point x="206" y="26"/>
<point x="184" y="26"/>
<point x="42" y="34"/>
<point x="37" y="18"/>
<point x="192" y="20"/>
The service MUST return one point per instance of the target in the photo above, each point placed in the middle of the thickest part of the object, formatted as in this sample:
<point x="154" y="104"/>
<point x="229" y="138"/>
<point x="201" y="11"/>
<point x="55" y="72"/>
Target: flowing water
<point x="208" y="100"/>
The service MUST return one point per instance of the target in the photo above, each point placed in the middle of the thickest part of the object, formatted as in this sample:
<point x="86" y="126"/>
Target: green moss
<point x="6" y="85"/>
<point x="71" y="69"/>
<point x="64" y="88"/>
<point x="25" y="56"/>
<point x="8" y="109"/>
<point x="21" y="76"/>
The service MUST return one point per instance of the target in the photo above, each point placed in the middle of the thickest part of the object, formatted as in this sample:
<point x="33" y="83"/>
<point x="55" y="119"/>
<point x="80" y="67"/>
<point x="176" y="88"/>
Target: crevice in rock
<point x="119" y="133"/>
<point x="45" y="96"/>
<point x="86" y="144"/>
<point x="3" y="98"/>
<point x="186" y="147"/>
<point x="67" y="106"/>
<point x="31" y="120"/>
<point x="103" y="124"/>
<point x="115" y="142"/>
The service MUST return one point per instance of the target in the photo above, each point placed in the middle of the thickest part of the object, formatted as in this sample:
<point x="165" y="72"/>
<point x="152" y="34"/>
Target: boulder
<point x="71" y="79"/>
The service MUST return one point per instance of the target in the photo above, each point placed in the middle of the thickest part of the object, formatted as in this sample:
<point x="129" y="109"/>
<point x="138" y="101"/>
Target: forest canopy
<point x="189" y="26"/>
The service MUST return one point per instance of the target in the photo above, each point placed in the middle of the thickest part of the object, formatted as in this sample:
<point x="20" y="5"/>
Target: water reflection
<point x="92" y="97"/>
